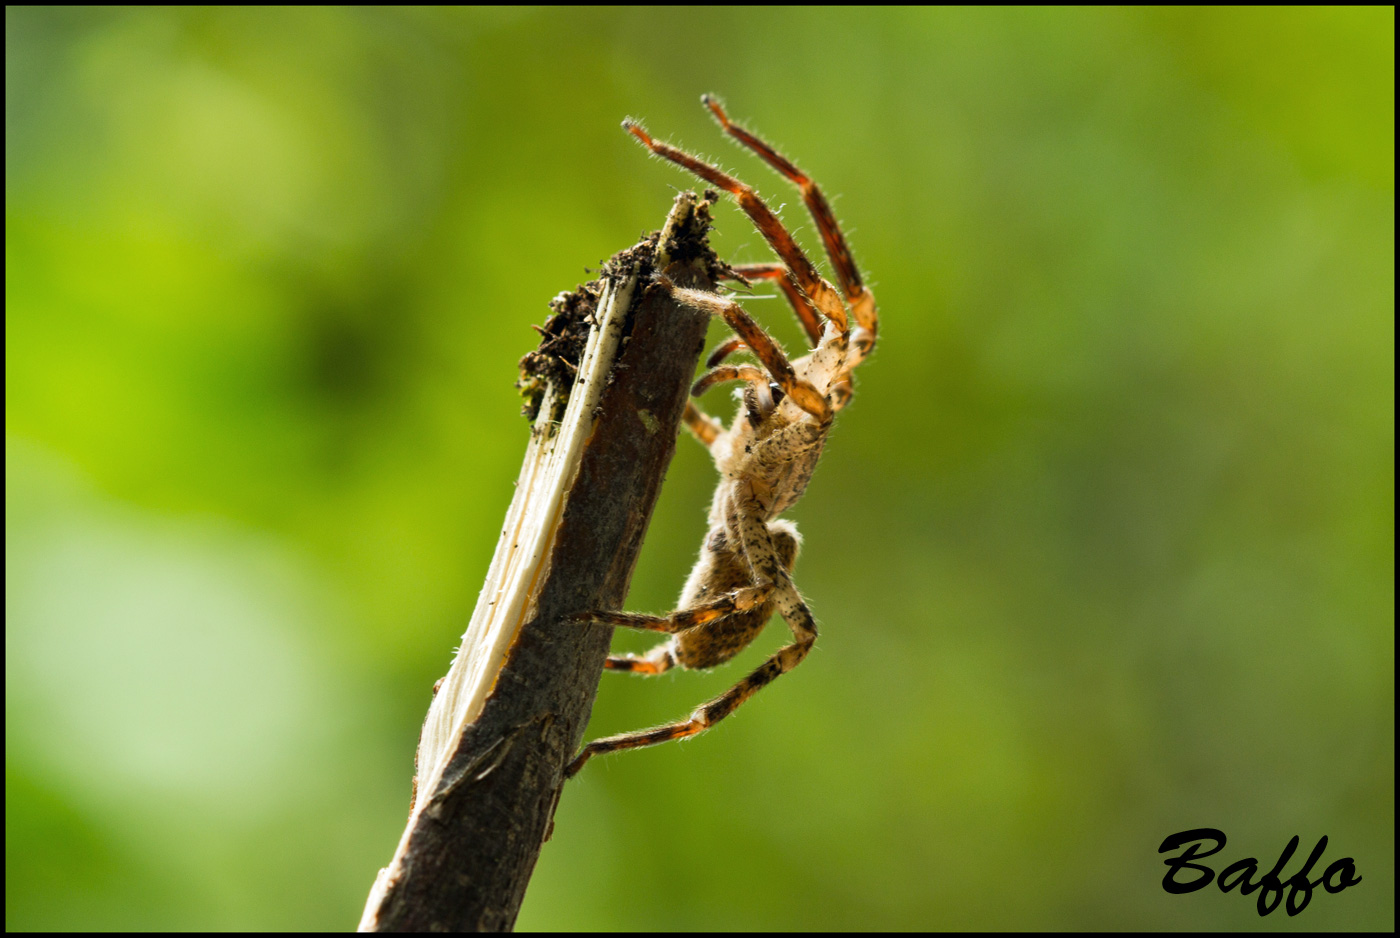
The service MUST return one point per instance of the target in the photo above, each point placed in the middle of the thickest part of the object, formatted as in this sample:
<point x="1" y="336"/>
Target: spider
<point x="765" y="458"/>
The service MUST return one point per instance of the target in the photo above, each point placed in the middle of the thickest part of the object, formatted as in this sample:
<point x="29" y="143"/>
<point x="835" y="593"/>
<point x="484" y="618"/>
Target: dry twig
<point x="513" y="707"/>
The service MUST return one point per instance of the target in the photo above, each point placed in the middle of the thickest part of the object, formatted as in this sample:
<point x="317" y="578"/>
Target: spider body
<point x="720" y="571"/>
<point x="765" y="457"/>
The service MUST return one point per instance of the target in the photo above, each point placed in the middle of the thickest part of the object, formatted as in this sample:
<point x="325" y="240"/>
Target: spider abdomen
<point x="721" y="571"/>
<point x="714" y="643"/>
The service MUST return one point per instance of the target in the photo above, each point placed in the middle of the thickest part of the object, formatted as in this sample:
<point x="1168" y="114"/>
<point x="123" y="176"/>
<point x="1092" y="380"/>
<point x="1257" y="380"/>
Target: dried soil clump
<point x="564" y="334"/>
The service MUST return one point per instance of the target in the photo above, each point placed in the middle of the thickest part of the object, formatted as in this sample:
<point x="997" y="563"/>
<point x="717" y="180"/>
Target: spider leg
<point x="807" y="314"/>
<point x="739" y="600"/>
<point x="758" y="397"/>
<point x="707" y="715"/>
<point x="761" y="344"/>
<point x="706" y="428"/>
<point x="857" y="295"/>
<point x="750" y="373"/>
<point x="764" y="557"/>
<point x="841" y="390"/>
<point x="822" y="294"/>
<point x="659" y="660"/>
<point x="722" y="351"/>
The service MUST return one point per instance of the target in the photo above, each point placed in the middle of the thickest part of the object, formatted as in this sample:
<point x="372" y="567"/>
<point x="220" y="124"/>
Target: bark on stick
<point x="512" y="709"/>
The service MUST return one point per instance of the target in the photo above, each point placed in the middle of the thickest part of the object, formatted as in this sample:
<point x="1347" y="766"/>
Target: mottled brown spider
<point x="765" y="458"/>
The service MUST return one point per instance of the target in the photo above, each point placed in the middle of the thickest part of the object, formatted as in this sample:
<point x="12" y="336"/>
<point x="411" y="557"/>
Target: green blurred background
<point x="1102" y="551"/>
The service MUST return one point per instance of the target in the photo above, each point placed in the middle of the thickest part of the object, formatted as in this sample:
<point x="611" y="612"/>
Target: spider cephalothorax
<point x="765" y="457"/>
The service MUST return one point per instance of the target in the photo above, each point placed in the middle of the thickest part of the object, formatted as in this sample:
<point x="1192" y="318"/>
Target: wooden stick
<point x="513" y="707"/>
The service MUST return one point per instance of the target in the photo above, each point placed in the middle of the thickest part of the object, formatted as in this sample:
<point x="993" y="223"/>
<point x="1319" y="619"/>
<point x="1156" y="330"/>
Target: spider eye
<point x="776" y="392"/>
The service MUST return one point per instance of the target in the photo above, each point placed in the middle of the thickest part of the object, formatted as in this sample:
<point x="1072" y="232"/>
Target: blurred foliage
<point x="1103" y="549"/>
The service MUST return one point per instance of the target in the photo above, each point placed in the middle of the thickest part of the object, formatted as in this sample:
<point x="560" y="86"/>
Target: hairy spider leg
<point x="822" y="294"/>
<point x="806" y="313"/>
<point x="764" y="557"/>
<point x="706" y="428"/>
<point x="802" y="274"/>
<point x="716" y="641"/>
<point x="740" y="600"/>
<point x="659" y="660"/>
<point x="861" y="301"/>
<point x="722" y="351"/>
<point x="761" y="344"/>
<point x="750" y="373"/>
<point x="758" y="397"/>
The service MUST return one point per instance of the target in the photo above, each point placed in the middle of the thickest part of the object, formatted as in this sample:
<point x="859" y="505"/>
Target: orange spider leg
<point x="722" y="351"/>
<point x="707" y="715"/>
<point x="821" y="293"/>
<point x="657" y="661"/>
<point x="758" y="540"/>
<point x="706" y="428"/>
<point x="740" y="600"/>
<point x="861" y="301"/>
<point x="807" y="314"/>
<point x="750" y="373"/>
<point x="761" y="344"/>
<point x="841" y="390"/>
<point x="759" y="397"/>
